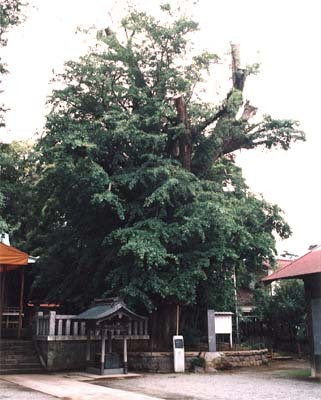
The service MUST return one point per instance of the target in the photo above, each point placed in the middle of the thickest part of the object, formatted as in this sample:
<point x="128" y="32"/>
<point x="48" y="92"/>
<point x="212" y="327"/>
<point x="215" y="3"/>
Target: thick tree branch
<point x="229" y="133"/>
<point x="238" y="79"/>
<point x="238" y="73"/>
<point x="213" y="118"/>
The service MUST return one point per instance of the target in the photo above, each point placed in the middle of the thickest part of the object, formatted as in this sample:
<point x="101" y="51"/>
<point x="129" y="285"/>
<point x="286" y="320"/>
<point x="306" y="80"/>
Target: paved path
<point x="12" y="391"/>
<point x="64" y="387"/>
<point x="276" y="382"/>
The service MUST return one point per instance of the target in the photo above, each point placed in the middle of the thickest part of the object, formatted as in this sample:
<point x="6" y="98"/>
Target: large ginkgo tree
<point x="140" y="195"/>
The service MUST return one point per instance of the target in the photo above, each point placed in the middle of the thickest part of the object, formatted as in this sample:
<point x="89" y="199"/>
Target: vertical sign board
<point x="218" y="323"/>
<point x="211" y="330"/>
<point x="316" y="325"/>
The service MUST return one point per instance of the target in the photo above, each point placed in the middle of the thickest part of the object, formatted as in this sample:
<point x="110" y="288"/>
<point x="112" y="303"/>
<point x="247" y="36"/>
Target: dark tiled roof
<point x="103" y="310"/>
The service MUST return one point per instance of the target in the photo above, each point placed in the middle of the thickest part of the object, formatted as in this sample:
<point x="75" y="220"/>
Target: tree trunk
<point x="163" y="327"/>
<point x="238" y="74"/>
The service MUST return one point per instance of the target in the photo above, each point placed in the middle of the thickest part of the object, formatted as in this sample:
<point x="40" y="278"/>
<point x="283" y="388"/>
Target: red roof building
<point x="309" y="263"/>
<point x="307" y="268"/>
<point x="11" y="259"/>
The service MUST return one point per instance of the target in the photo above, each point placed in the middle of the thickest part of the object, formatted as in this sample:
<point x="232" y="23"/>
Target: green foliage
<point x="197" y="362"/>
<point x="10" y="15"/>
<point x="3" y="224"/>
<point x="286" y="305"/>
<point x="17" y="177"/>
<point x="119" y="210"/>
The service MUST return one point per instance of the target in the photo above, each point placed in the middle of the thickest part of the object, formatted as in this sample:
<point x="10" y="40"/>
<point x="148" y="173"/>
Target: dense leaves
<point x="17" y="177"/>
<point x="10" y="15"/>
<point x="139" y="193"/>
<point x="286" y="308"/>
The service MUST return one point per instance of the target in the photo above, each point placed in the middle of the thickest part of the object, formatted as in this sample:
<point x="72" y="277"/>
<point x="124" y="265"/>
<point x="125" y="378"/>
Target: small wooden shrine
<point x="111" y="319"/>
<point x="12" y="259"/>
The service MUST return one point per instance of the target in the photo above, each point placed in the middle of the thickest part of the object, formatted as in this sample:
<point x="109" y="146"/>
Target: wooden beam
<point x="103" y="351"/>
<point x="125" y="357"/>
<point x="110" y="349"/>
<point x="177" y="319"/>
<point x="3" y="282"/>
<point x="88" y="348"/>
<point x="22" y="273"/>
<point x="131" y="337"/>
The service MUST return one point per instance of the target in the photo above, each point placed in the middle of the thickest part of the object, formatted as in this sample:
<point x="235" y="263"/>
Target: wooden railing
<point x="52" y="326"/>
<point x="10" y="317"/>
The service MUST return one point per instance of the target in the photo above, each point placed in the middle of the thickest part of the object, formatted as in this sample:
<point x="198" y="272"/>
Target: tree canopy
<point x="17" y="177"/>
<point x="10" y="15"/>
<point x="139" y="194"/>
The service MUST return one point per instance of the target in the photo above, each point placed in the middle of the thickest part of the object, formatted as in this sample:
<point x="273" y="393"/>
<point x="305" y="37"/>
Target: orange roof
<point x="309" y="263"/>
<point x="11" y="258"/>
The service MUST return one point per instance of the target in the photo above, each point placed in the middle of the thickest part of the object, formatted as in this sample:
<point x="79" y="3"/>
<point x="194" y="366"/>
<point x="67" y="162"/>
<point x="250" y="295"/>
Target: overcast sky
<point x="283" y="36"/>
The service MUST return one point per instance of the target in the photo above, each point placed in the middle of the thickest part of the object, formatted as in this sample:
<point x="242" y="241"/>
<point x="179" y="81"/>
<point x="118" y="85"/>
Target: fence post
<point x="52" y="323"/>
<point x="68" y="323"/>
<point x="211" y="330"/>
<point x="75" y="328"/>
<point x="59" y="327"/>
<point x="83" y="328"/>
<point x="39" y="316"/>
<point x="135" y="327"/>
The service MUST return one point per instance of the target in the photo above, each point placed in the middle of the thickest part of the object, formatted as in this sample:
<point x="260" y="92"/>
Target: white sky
<point x="282" y="35"/>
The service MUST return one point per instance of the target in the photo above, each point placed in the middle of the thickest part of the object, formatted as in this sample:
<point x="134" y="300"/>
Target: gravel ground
<point x="286" y="381"/>
<point x="16" y="392"/>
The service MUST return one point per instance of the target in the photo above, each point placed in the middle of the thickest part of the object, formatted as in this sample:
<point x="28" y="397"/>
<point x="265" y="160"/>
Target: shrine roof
<point x="103" y="309"/>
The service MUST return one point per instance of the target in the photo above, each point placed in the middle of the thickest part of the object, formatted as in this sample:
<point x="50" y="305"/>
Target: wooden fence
<point x="52" y="326"/>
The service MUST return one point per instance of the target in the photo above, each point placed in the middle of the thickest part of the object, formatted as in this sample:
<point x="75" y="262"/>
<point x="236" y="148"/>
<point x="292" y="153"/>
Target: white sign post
<point x="179" y="353"/>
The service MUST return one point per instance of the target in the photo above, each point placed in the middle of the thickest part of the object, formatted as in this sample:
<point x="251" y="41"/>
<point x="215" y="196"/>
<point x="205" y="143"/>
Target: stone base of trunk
<point x="163" y="361"/>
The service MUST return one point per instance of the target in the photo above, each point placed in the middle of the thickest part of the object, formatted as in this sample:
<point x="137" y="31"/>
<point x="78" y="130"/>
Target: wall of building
<point x="312" y="286"/>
